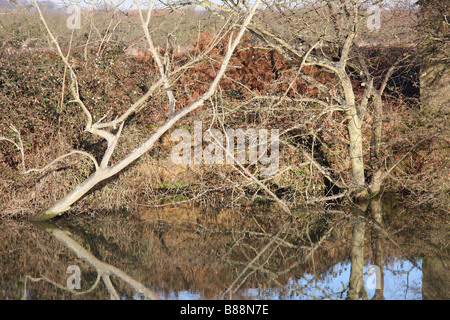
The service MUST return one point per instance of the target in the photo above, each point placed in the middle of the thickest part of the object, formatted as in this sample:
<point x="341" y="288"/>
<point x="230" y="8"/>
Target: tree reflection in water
<point x="189" y="253"/>
<point x="104" y="270"/>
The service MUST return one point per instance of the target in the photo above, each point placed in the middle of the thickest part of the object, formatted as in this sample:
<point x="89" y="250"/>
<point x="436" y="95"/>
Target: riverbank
<point x="313" y="146"/>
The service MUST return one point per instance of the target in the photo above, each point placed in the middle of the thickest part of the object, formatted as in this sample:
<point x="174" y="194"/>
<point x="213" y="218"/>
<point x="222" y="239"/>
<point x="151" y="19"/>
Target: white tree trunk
<point x="355" y="139"/>
<point x="104" y="171"/>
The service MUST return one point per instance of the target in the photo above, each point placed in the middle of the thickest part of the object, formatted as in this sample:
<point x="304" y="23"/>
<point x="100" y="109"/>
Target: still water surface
<point x="380" y="251"/>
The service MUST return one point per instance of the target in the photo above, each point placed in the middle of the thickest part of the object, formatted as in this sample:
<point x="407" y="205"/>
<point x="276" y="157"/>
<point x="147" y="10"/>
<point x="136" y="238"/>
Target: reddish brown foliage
<point x="253" y="71"/>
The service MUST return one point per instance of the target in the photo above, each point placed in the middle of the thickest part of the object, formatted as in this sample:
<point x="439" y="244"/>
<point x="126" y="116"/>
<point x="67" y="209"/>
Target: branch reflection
<point x="104" y="270"/>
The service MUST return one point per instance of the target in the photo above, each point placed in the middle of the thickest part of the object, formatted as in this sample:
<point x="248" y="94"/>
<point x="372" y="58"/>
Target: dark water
<point x="379" y="250"/>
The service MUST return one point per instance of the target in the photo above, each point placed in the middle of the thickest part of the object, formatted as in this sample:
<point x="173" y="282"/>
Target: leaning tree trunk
<point x="103" y="171"/>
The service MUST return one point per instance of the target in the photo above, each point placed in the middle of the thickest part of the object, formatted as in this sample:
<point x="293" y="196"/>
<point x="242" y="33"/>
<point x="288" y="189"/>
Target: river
<point x="381" y="250"/>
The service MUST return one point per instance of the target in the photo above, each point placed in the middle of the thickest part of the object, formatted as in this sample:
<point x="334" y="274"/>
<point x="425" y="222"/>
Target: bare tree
<point x="336" y="37"/>
<point x="111" y="130"/>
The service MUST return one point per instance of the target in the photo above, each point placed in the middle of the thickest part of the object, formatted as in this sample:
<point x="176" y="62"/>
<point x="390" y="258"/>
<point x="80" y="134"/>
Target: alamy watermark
<point x="74" y="20"/>
<point x="227" y="147"/>
<point x="73" y="281"/>
<point x="374" y="279"/>
<point x="374" y="18"/>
